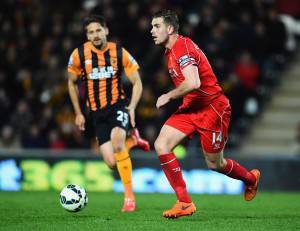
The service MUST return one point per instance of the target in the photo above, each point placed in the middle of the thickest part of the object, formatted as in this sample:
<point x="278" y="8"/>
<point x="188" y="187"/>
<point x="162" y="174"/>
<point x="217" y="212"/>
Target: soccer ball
<point x="73" y="198"/>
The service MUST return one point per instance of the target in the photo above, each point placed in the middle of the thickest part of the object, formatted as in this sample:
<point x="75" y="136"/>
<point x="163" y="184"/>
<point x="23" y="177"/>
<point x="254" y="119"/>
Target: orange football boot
<point x="140" y="142"/>
<point x="250" y="191"/>
<point x="129" y="205"/>
<point x="180" y="209"/>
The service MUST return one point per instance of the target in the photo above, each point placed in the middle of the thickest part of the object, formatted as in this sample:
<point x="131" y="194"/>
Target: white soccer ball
<point x="73" y="198"/>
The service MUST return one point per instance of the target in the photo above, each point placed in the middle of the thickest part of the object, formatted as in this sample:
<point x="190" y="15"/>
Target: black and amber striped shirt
<point x="102" y="71"/>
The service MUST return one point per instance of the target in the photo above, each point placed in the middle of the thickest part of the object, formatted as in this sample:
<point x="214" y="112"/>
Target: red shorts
<point x="211" y="122"/>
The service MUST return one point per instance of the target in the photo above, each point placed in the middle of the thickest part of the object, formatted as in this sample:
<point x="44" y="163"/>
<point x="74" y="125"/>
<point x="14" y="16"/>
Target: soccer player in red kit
<point x="205" y="110"/>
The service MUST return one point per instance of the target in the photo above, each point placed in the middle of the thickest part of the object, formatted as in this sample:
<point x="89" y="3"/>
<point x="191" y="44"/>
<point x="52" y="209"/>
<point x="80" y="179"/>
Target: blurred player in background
<point x="100" y="65"/>
<point x="205" y="110"/>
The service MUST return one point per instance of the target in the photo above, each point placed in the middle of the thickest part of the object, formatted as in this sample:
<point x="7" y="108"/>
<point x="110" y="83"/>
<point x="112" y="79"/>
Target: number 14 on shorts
<point x="216" y="139"/>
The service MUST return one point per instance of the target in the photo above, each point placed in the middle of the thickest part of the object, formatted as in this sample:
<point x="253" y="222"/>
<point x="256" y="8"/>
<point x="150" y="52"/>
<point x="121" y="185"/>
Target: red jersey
<point x="184" y="53"/>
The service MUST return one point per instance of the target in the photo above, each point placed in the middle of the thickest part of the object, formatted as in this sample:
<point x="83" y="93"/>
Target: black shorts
<point x="106" y="119"/>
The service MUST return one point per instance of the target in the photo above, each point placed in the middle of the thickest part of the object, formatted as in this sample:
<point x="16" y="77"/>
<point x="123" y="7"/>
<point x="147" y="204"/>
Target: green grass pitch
<point x="42" y="211"/>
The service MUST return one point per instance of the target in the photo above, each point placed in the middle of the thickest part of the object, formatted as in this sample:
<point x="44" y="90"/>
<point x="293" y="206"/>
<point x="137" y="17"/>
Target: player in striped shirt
<point x="100" y="64"/>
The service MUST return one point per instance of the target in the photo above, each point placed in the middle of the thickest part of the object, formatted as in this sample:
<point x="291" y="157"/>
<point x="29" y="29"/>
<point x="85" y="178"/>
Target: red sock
<point x="172" y="170"/>
<point x="236" y="171"/>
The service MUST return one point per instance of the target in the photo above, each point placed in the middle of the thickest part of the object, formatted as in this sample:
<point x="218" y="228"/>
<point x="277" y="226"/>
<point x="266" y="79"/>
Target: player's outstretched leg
<point x="134" y="139"/>
<point x="233" y="169"/>
<point x="250" y="178"/>
<point x="251" y="190"/>
<point x="180" y="209"/>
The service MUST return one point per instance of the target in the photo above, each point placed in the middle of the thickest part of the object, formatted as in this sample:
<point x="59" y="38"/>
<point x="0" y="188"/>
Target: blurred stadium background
<point x="253" y="47"/>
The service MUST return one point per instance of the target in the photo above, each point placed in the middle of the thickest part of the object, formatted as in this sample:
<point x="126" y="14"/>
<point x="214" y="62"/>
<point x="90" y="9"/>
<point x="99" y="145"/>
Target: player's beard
<point x="100" y="45"/>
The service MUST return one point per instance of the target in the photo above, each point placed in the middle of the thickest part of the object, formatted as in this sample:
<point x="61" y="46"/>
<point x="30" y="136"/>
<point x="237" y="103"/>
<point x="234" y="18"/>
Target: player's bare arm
<point x="73" y="92"/>
<point x="137" y="89"/>
<point x="191" y="83"/>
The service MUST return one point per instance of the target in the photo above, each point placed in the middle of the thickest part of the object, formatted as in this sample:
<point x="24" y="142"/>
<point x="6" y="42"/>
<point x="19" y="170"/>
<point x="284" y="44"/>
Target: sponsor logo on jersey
<point x="102" y="73"/>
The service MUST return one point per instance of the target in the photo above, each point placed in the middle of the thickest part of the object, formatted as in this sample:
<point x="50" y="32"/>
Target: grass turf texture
<point x="42" y="211"/>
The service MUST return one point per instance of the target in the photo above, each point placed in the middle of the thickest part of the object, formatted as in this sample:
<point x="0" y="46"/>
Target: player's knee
<point x="157" y="145"/>
<point x="118" y="146"/>
<point x="160" y="146"/>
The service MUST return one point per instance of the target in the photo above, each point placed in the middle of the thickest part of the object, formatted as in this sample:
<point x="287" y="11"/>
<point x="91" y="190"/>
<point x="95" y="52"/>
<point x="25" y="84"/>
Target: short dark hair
<point x="94" y="18"/>
<point x="170" y="17"/>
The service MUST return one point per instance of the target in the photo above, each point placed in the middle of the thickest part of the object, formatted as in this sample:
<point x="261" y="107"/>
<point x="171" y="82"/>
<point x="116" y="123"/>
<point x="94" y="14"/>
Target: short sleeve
<point x="185" y="53"/>
<point x="129" y="63"/>
<point x="74" y="63"/>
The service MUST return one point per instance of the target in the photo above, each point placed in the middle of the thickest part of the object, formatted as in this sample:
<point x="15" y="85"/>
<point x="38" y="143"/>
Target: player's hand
<point x="131" y="112"/>
<point x="80" y="122"/>
<point x="162" y="100"/>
